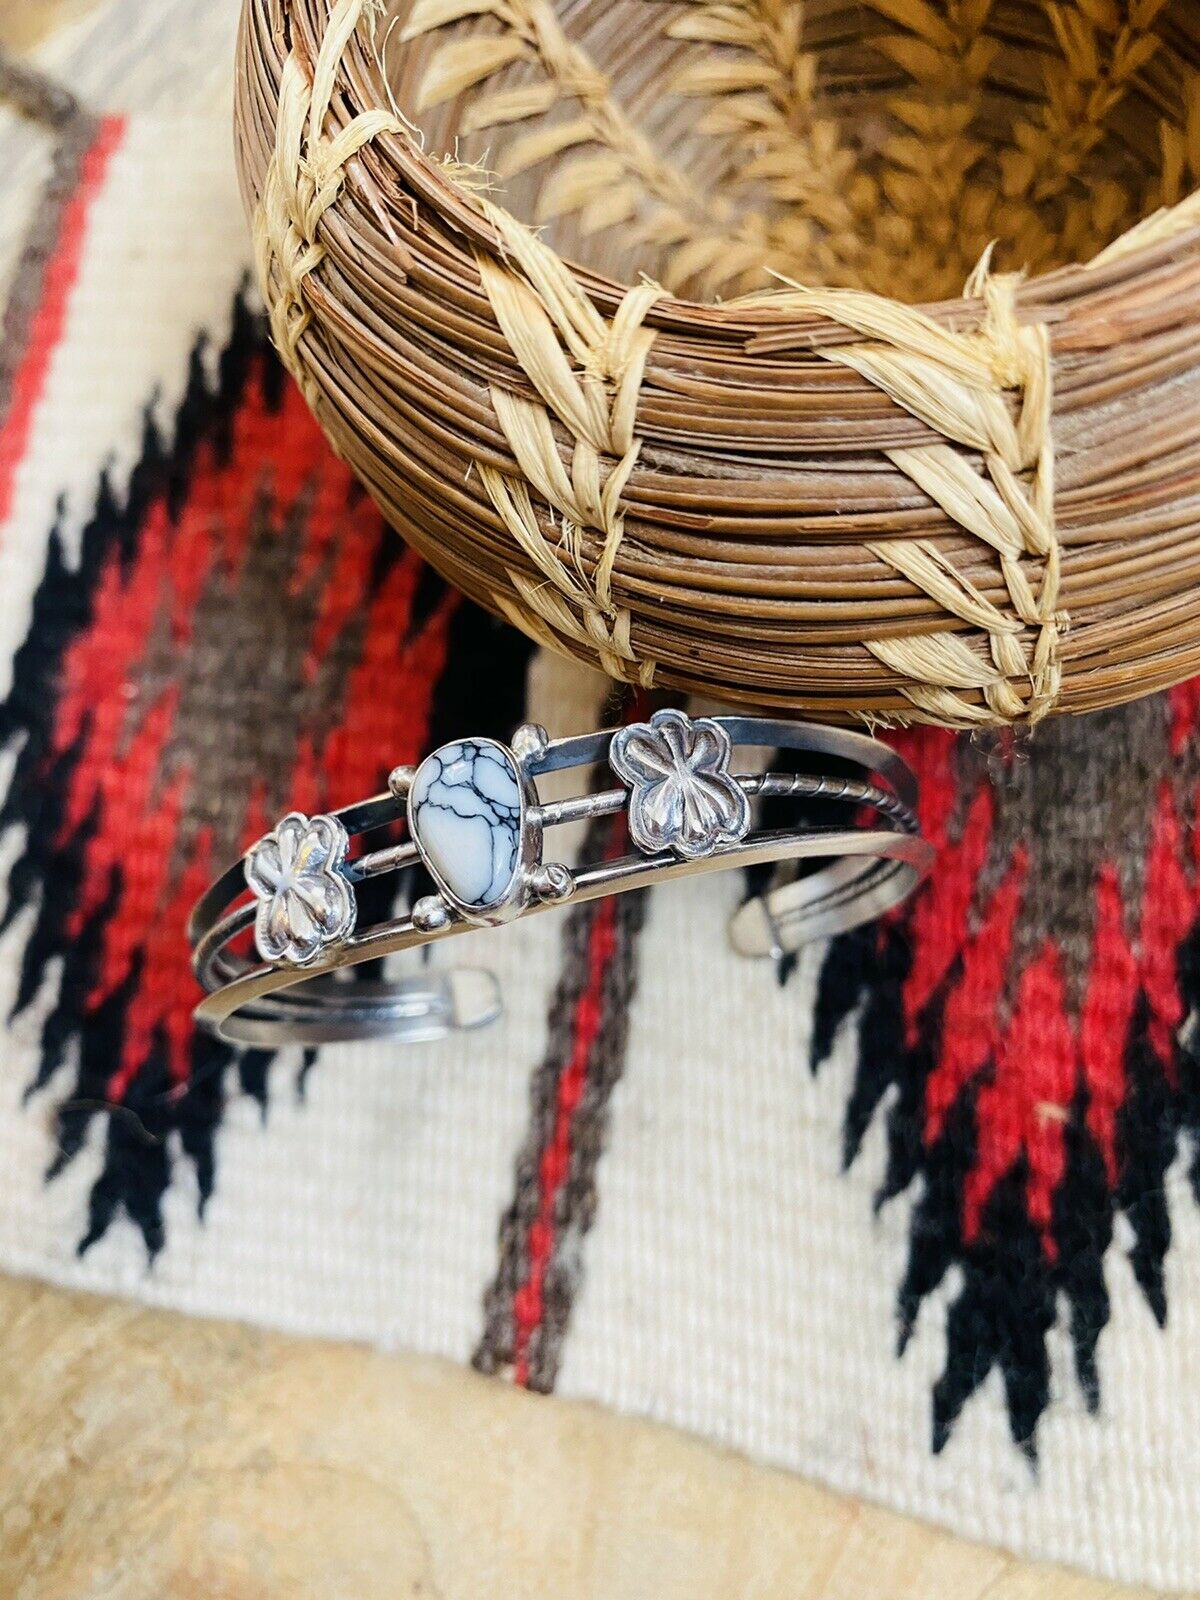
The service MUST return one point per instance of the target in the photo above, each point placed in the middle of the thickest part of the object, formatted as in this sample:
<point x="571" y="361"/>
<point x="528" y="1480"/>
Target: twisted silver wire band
<point x="871" y="865"/>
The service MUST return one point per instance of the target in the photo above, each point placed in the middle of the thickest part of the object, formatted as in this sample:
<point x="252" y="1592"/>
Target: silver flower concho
<point x="683" y="797"/>
<point x="304" y="900"/>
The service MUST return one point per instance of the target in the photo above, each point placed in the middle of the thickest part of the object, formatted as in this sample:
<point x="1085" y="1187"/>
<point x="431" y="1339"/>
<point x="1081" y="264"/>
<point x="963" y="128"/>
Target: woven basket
<point x="724" y="422"/>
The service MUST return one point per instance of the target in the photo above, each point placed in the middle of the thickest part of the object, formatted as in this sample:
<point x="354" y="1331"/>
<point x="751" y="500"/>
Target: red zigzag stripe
<point x="529" y="1300"/>
<point x="50" y="319"/>
<point x="528" y="1306"/>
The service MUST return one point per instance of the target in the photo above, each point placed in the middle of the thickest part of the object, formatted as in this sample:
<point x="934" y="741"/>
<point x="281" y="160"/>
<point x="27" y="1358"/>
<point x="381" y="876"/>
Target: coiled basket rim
<point x="1019" y="468"/>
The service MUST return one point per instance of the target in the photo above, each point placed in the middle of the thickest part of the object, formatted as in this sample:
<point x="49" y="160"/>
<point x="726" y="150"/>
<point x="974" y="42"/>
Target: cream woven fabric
<point x="655" y="1184"/>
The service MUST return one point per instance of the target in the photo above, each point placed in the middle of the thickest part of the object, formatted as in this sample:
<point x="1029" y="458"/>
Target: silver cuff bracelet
<point x="475" y="821"/>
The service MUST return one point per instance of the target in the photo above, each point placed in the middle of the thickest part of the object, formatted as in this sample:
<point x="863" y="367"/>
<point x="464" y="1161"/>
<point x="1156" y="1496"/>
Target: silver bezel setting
<point x="529" y="849"/>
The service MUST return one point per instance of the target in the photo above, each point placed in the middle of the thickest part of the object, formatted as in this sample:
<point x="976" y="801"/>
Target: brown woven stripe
<point x="528" y="1306"/>
<point x="48" y="103"/>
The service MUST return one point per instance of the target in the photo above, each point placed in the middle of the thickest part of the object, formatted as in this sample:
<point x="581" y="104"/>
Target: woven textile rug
<point x="917" y="1215"/>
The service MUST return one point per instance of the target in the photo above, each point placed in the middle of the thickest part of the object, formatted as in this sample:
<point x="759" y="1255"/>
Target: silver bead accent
<point x="430" y="913"/>
<point x="400" y="781"/>
<point x="553" y="882"/>
<point x="529" y="742"/>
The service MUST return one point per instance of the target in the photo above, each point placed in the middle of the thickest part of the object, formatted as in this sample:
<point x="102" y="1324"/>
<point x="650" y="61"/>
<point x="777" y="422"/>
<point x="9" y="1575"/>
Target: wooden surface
<point x="151" y="1457"/>
<point x="24" y="23"/>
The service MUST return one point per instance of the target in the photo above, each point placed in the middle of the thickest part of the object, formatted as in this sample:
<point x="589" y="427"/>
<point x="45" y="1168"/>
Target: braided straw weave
<point x="840" y="358"/>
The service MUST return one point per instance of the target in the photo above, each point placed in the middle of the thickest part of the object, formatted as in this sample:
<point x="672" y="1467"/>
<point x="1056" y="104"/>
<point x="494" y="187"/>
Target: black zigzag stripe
<point x="483" y="688"/>
<point x="47" y="875"/>
<point x="1005" y="1308"/>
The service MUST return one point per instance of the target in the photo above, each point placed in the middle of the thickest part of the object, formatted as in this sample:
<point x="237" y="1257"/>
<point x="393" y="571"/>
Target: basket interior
<point x="884" y="145"/>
